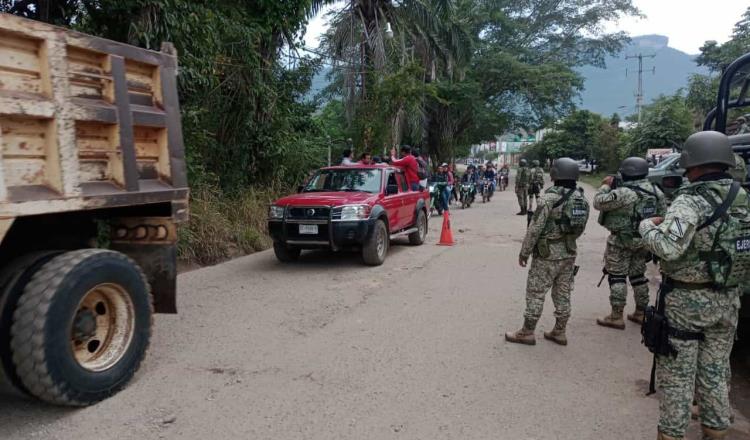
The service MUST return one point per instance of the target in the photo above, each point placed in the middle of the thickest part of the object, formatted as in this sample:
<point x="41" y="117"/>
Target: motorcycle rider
<point x="470" y="177"/>
<point x="503" y="176"/>
<point x="491" y="176"/>
<point x="442" y="177"/>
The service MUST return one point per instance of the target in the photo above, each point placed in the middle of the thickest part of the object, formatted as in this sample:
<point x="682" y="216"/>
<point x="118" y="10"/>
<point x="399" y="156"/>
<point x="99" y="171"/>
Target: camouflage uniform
<point x="693" y="307"/>
<point x="554" y="270"/>
<point x="522" y="184"/>
<point x="536" y="175"/>
<point x="625" y="256"/>
<point x="739" y="172"/>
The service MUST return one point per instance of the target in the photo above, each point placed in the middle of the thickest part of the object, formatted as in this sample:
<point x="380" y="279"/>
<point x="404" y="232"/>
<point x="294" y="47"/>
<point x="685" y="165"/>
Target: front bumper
<point x="331" y="234"/>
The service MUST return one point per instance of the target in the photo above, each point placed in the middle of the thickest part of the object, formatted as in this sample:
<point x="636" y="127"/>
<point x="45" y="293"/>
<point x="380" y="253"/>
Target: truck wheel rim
<point x="381" y="243"/>
<point x="422" y="228"/>
<point x="100" y="344"/>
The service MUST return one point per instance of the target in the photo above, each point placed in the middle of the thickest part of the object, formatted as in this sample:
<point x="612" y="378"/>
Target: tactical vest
<point x="567" y="220"/>
<point x="720" y="249"/>
<point x="624" y="222"/>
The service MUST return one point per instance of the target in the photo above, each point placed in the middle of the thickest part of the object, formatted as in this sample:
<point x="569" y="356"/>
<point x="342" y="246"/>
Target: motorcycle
<point x="503" y="182"/>
<point x="487" y="190"/>
<point x="436" y="193"/>
<point x="468" y="193"/>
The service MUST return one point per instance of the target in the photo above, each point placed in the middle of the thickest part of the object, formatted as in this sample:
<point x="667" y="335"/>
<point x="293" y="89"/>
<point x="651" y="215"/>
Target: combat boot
<point x="712" y="434"/>
<point x="557" y="335"/>
<point x="523" y="336"/>
<point x="661" y="436"/>
<point x="613" y="320"/>
<point x="521" y="212"/>
<point x="638" y="315"/>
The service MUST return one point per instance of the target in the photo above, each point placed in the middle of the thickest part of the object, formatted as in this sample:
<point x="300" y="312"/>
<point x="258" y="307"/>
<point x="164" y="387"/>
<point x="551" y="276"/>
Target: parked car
<point x="667" y="174"/>
<point x="362" y="207"/>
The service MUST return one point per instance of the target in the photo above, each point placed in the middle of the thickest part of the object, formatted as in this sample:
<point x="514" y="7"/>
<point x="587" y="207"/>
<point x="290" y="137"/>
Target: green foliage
<point x="666" y="123"/>
<point x="717" y="56"/>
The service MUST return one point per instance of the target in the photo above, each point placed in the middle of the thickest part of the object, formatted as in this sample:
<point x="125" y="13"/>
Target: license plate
<point x="308" y="229"/>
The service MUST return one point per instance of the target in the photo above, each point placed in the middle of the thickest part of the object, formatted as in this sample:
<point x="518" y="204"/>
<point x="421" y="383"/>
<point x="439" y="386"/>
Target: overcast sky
<point x="687" y="23"/>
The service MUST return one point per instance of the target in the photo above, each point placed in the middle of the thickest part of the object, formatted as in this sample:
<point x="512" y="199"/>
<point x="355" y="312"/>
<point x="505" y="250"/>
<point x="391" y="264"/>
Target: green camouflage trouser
<point x="623" y="264"/>
<point x="522" y="192"/>
<point x="543" y="275"/>
<point x="699" y="364"/>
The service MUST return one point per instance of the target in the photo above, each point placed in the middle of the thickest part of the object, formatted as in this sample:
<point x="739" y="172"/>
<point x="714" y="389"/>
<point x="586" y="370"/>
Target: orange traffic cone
<point x="446" y="236"/>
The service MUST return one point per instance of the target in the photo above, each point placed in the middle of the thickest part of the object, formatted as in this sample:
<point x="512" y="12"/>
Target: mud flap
<point x="152" y="243"/>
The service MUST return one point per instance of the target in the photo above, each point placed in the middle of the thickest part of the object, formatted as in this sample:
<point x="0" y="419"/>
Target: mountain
<point x="608" y="90"/>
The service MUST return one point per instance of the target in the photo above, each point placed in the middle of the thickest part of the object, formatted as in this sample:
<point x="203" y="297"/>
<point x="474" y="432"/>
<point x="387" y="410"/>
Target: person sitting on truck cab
<point x="365" y="159"/>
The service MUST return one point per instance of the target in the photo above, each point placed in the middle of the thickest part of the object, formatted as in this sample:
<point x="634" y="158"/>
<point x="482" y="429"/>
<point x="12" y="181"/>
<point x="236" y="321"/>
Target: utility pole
<point x="639" y="92"/>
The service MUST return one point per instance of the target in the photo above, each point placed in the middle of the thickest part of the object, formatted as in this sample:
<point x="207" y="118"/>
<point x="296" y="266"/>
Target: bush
<point x="225" y="226"/>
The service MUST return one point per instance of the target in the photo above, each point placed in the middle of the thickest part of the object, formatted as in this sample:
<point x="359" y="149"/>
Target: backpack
<point x="422" y="171"/>
<point x="728" y="260"/>
<point x="647" y="205"/>
<point x="575" y="213"/>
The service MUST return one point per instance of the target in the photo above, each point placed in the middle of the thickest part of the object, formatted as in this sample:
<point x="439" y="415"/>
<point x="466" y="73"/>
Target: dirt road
<point x="330" y="349"/>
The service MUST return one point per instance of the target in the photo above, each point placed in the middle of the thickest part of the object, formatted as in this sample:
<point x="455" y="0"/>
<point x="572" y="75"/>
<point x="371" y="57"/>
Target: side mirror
<point x="391" y="190"/>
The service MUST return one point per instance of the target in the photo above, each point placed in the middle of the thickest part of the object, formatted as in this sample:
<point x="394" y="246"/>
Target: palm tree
<point x="371" y="39"/>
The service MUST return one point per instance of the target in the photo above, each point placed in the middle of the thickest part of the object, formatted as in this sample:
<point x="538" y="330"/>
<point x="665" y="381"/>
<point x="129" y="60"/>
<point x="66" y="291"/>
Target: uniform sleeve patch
<point x="676" y="229"/>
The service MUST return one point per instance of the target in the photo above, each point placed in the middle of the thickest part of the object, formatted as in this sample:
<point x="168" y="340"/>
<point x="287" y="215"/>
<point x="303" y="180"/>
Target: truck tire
<point x="376" y="247"/>
<point x="82" y="327"/>
<point x="417" y="238"/>
<point x="285" y="254"/>
<point x="13" y="279"/>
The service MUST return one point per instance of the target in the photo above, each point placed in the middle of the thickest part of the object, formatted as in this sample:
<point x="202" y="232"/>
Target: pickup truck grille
<point x="309" y="213"/>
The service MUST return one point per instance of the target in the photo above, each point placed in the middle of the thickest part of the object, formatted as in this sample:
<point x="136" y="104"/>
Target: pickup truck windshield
<point x="346" y="180"/>
<point x="666" y="162"/>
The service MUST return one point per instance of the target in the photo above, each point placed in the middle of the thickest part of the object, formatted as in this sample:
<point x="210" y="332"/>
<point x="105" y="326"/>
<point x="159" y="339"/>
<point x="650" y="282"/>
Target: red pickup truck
<point x="344" y="207"/>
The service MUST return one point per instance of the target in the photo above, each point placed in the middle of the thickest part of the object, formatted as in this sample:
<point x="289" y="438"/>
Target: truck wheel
<point x="417" y="238"/>
<point x="13" y="279"/>
<point x="82" y="327"/>
<point x="285" y="254"/>
<point x="376" y="248"/>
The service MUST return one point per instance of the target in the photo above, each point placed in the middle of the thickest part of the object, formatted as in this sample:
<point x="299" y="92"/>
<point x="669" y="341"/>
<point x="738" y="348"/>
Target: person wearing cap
<point x="621" y="210"/>
<point x="699" y="302"/>
<point x="551" y="239"/>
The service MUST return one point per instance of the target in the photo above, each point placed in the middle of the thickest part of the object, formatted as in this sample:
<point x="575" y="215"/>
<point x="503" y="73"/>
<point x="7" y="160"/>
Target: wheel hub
<point x="103" y="327"/>
<point x="84" y="326"/>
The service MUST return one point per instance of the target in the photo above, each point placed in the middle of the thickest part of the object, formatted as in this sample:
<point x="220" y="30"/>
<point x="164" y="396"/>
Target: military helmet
<point x="707" y="148"/>
<point x="564" y="168"/>
<point x="535" y="163"/>
<point x="634" y="167"/>
<point x="522" y="162"/>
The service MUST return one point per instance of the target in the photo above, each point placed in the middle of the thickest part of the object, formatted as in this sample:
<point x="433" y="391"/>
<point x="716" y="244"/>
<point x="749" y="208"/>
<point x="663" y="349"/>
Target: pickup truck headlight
<point x="275" y="212"/>
<point x="354" y="212"/>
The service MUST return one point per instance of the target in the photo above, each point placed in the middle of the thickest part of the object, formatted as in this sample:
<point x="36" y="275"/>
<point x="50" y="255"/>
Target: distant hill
<point x="608" y="89"/>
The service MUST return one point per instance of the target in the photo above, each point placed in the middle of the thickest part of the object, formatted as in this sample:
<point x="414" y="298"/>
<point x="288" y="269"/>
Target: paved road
<point x="329" y="349"/>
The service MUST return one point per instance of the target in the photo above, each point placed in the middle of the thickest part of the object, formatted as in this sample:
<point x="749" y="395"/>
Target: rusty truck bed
<point x="85" y="123"/>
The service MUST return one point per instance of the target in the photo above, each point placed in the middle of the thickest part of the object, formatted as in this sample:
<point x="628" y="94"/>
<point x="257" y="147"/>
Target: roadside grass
<point x="224" y="226"/>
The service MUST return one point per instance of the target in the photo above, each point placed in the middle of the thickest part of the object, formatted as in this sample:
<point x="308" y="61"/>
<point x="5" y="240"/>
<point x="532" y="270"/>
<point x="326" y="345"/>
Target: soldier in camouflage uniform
<point x="621" y="211"/>
<point x="551" y="238"/>
<point x="702" y="313"/>
<point x="536" y="183"/>
<point x="522" y="184"/>
<point x="739" y="171"/>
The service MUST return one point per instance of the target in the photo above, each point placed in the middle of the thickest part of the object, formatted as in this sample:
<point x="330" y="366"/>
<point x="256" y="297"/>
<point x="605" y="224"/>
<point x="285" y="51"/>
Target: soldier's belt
<point x="676" y="284"/>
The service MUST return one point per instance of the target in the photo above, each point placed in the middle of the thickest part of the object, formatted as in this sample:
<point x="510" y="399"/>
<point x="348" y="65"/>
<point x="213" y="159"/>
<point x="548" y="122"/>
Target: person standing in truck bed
<point x="408" y="165"/>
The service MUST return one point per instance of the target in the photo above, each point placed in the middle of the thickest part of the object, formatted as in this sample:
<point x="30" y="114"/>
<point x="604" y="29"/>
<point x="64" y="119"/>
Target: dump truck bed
<point x="86" y="123"/>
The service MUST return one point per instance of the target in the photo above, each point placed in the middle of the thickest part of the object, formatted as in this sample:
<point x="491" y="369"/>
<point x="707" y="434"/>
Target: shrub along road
<point x="330" y="349"/>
